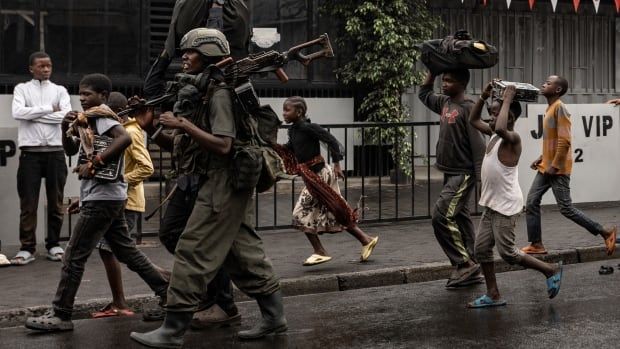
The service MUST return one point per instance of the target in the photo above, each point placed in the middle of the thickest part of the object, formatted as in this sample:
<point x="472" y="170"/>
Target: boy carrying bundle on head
<point x="502" y="199"/>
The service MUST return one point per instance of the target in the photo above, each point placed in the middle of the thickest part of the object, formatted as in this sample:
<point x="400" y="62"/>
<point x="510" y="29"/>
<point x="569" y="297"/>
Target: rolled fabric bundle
<point x="458" y="51"/>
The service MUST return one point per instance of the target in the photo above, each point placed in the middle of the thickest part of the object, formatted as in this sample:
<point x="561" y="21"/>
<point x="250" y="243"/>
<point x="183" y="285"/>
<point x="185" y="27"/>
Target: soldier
<point x="218" y="232"/>
<point x="232" y="17"/>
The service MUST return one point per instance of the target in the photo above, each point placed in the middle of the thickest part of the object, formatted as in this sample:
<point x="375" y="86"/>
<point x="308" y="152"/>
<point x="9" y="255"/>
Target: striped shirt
<point x="557" y="139"/>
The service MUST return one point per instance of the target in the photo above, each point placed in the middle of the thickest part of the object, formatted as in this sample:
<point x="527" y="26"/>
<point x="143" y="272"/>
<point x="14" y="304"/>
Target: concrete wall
<point x="323" y="111"/>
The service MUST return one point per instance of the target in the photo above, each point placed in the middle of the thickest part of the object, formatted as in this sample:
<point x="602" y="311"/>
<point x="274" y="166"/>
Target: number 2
<point x="579" y="153"/>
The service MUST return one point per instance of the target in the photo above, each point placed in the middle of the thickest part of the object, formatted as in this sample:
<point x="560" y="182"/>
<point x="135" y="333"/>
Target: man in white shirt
<point x="39" y="106"/>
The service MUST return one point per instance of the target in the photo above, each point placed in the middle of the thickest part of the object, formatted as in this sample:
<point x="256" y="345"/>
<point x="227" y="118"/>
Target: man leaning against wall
<point x="39" y="106"/>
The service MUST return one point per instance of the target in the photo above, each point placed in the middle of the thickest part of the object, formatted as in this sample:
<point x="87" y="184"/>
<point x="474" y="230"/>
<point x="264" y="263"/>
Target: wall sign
<point x="595" y="150"/>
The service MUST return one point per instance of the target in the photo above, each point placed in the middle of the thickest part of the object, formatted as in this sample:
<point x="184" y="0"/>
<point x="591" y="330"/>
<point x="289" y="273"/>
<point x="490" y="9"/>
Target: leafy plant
<point x="379" y="36"/>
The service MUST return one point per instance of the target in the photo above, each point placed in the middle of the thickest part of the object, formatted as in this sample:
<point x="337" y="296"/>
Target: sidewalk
<point x="407" y="252"/>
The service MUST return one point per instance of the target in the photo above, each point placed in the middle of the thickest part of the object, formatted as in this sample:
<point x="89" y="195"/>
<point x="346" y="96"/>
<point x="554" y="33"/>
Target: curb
<point x="324" y="283"/>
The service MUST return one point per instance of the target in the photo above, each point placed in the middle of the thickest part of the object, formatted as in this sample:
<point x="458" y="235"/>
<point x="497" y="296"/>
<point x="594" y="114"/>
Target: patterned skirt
<point x="310" y="216"/>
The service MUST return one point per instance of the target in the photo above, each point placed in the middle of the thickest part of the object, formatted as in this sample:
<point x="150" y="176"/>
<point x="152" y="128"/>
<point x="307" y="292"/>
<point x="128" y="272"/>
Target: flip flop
<point x="610" y="242"/>
<point x="553" y="283"/>
<point x="606" y="270"/>
<point x="316" y="259"/>
<point x="55" y="254"/>
<point x="485" y="301"/>
<point x="22" y="258"/>
<point x="463" y="276"/>
<point x="109" y="311"/>
<point x="367" y="249"/>
<point x="529" y="249"/>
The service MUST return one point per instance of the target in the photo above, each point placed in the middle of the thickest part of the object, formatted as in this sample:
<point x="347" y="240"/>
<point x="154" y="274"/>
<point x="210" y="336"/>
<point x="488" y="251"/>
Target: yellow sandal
<point x="367" y="249"/>
<point x="316" y="259"/>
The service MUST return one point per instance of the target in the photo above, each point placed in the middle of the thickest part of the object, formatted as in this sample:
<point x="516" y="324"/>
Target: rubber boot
<point x="273" y="320"/>
<point x="169" y="335"/>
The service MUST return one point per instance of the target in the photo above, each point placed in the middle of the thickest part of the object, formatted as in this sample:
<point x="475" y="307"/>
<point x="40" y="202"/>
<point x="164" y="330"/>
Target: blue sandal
<point x="485" y="301"/>
<point x="553" y="283"/>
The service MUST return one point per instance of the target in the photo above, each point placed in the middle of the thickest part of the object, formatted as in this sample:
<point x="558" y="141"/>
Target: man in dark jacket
<point x="460" y="150"/>
<point x="231" y="17"/>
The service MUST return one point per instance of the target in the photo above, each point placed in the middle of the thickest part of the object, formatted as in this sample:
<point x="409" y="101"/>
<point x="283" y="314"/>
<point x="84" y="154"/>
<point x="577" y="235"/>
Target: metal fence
<point x="374" y="183"/>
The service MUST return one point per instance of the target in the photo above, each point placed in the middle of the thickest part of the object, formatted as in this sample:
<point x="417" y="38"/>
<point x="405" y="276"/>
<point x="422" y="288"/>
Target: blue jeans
<point x="560" y="185"/>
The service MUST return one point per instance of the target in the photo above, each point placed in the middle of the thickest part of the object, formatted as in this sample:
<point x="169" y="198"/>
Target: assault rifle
<point x="234" y="73"/>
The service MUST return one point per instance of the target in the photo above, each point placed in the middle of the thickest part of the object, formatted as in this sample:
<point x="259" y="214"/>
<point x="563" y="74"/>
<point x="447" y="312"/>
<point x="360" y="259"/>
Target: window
<point x="81" y="37"/>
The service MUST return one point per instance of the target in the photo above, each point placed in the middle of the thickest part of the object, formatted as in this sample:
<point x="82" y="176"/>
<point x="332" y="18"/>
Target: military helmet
<point x="209" y="42"/>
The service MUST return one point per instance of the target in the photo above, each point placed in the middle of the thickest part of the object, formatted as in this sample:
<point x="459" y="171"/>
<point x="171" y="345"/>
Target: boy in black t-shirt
<point x="460" y="150"/>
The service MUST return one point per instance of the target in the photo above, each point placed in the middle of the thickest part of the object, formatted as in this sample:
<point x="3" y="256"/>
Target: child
<point x="553" y="171"/>
<point x="460" y="150"/>
<point x="502" y="199"/>
<point x="102" y="204"/>
<point x="310" y="215"/>
<point x="138" y="167"/>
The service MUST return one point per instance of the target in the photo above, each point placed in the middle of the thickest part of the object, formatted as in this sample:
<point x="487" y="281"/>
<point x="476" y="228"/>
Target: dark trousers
<point x="452" y="223"/>
<point x="33" y="166"/>
<point x="132" y="220"/>
<point x="180" y="207"/>
<point x="101" y="219"/>
<point x="560" y="185"/>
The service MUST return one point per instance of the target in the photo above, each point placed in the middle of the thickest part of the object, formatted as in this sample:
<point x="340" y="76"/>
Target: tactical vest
<point x="190" y="158"/>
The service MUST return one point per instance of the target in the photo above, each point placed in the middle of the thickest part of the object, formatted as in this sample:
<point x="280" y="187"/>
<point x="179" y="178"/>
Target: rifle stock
<point x="273" y="61"/>
<point x="235" y="72"/>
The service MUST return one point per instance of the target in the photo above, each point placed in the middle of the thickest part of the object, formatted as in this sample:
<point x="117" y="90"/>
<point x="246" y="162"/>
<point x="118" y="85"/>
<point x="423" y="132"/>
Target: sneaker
<point x="49" y="322"/>
<point x="215" y="316"/>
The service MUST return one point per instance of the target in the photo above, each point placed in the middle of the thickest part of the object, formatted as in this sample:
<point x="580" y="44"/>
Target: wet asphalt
<point x="586" y="314"/>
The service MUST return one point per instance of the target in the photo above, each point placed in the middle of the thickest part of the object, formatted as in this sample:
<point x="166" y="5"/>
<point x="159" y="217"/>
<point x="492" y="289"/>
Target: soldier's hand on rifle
<point x="338" y="171"/>
<point x="143" y="114"/>
<point x="168" y="120"/>
<point x="74" y="207"/>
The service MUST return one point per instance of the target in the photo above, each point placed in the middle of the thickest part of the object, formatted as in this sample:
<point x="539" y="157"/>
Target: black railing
<point x="373" y="182"/>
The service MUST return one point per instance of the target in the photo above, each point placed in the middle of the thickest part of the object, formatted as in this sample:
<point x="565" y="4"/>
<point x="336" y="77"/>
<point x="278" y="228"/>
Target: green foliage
<point x="380" y="36"/>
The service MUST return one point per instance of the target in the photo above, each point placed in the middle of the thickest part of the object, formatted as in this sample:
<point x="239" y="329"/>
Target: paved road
<point x="402" y="244"/>
<point x="423" y="315"/>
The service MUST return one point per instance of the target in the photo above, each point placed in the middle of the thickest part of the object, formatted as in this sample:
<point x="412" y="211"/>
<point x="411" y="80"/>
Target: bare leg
<point x="488" y="268"/>
<point x="113" y="271"/>
<point x="359" y="234"/>
<point x="536" y="264"/>
<point x="316" y="244"/>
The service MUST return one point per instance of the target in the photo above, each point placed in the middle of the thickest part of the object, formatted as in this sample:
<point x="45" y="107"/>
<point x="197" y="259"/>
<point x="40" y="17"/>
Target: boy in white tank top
<point x="502" y="199"/>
